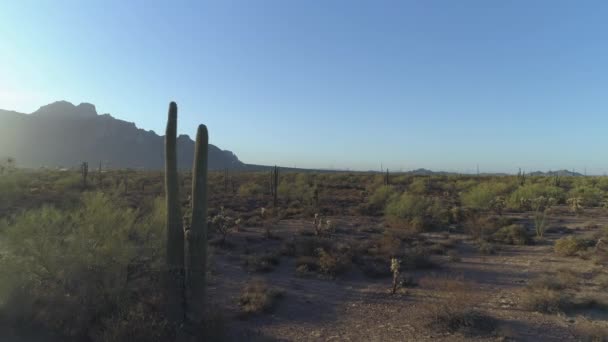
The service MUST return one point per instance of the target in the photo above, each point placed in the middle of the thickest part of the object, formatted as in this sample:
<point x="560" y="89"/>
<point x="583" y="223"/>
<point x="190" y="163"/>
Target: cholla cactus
<point x="222" y="224"/>
<point x="576" y="204"/>
<point x="395" y="266"/>
<point x="321" y="226"/>
<point x="525" y="203"/>
<point x="498" y="204"/>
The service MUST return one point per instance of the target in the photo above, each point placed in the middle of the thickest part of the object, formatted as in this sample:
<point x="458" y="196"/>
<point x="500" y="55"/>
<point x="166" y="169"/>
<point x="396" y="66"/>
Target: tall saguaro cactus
<point x="275" y="186"/>
<point x="175" y="232"/>
<point x="84" y="170"/>
<point x="196" y="236"/>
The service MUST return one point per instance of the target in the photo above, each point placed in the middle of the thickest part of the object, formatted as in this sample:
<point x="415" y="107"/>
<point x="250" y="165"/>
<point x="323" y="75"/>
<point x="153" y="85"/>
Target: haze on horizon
<point x="331" y="84"/>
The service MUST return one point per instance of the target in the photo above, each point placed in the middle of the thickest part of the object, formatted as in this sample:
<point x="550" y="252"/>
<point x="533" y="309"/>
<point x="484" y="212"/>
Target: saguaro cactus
<point x="186" y="263"/>
<point x="386" y="178"/>
<point x="84" y="170"/>
<point x="99" y="176"/>
<point x="175" y="232"/>
<point x="196" y="236"/>
<point x="275" y="186"/>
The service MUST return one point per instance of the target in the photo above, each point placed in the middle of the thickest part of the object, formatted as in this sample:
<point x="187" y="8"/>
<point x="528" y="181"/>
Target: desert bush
<point x="528" y="192"/>
<point x="590" y="196"/>
<point x="569" y="246"/>
<point x="301" y="188"/>
<point x="514" y="234"/>
<point x="377" y="201"/>
<point x="332" y="263"/>
<point x="80" y="267"/>
<point x="251" y="190"/>
<point x="419" y="212"/>
<point x="483" y="227"/>
<point x="545" y="300"/>
<point x="482" y="195"/>
<point x="257" y="297"/>
<point x="310" y="262"/>
<point x="487" y="248"/>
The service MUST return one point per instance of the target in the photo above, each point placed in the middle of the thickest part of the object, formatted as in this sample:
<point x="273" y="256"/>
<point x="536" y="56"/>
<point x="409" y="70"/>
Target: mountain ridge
<point x="62" y="134"/>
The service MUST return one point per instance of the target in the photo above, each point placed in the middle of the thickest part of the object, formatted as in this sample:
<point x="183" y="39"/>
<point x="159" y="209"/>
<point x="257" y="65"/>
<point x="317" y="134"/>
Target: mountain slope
<point x="64" y="135"/>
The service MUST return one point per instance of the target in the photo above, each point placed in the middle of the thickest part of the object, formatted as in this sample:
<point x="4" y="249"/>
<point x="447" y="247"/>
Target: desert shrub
<point x="79" y="268"/>
<point x="251" y="190"/>
<point x="545" y="300"/>
<point x="257" y="297"/>
<point x="310" y="262"/>
<point x="569" y="246"/>
<point x="528" y="192"/>
<point x="482" y="195"/>
<point x="483" y="227"/>
<point x="420" y="186"/>
<point x="487" y="248"/>
<point x="332" y="263"/>
<point x="514" y="234"/>
<point x="380" y="197"/>
<point x="419" y="212"/>
<point x="301" y="188"/>
<point x="590" y="196"/>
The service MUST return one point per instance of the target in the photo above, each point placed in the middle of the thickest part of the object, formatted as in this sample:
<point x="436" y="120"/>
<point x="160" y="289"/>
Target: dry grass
<point x="457" y="311"/>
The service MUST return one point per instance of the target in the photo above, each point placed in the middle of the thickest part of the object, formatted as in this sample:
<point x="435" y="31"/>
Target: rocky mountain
<point x="64" y="135"/>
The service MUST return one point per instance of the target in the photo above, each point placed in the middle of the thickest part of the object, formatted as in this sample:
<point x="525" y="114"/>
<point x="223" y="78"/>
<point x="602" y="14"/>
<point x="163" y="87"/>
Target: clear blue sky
<point x="345" y="84"/>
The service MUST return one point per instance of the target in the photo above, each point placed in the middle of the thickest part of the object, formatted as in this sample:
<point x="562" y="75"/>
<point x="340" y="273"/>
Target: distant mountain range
<point x="64" y="135"/>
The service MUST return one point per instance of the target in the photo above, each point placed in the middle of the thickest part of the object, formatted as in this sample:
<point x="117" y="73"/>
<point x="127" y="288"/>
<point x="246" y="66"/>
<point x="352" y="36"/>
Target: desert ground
<point x="340" y="257"/>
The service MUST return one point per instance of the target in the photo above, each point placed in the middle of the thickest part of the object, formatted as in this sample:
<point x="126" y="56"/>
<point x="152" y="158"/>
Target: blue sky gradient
<point x="443" y="85"/>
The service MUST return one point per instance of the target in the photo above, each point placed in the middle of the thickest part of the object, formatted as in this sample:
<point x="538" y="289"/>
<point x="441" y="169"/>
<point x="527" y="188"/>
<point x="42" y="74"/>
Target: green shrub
<point x="514" y="234"/>
<point x="482" y="195"/>
<point x="569" y="246"/>
<point x="590" y="196"/>
<point x="79" y="267"/>
<point x="251" y="190"/>
<point x="380" y="197"/>
<point x="529" y="192"/>
<point x="419" y="212"/>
